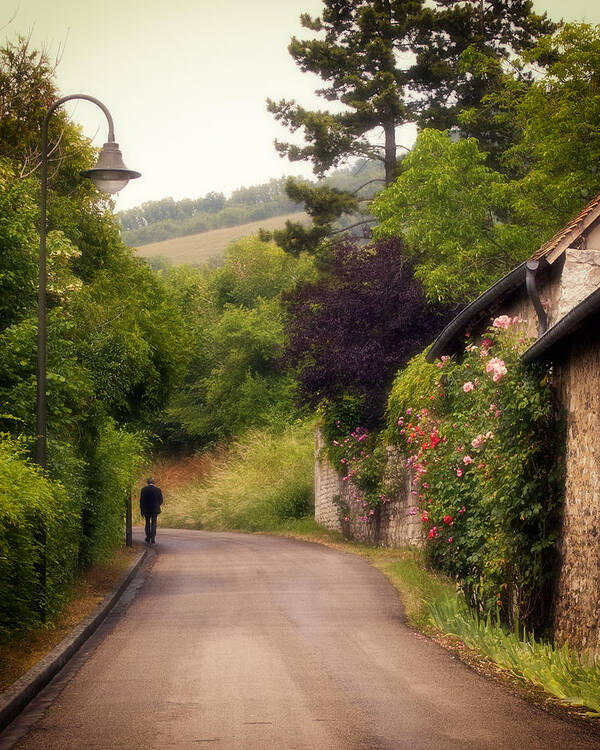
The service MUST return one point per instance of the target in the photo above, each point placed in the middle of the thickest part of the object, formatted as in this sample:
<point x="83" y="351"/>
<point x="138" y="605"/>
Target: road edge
<point x="14" y="699"/>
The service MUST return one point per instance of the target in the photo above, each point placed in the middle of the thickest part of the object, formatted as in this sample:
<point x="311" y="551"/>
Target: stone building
<point x="557" y="293"/>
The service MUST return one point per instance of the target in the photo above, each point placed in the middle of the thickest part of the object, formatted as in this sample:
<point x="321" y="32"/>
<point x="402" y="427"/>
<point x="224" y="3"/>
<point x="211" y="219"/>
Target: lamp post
<point x="109" y="175"/>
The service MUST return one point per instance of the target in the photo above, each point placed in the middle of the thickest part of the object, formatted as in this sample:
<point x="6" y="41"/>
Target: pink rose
<point x="502" y="322"/>
<point x="497" y="367"/>
<point x="467" y="460"/>
<point x="468" y="386"/>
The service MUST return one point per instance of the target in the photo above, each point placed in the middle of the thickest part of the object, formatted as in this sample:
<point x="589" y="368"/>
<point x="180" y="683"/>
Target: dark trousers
<point x="150" y="526"/>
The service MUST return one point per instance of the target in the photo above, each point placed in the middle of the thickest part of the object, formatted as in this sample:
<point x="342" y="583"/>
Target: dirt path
<point x="257" y="643"/>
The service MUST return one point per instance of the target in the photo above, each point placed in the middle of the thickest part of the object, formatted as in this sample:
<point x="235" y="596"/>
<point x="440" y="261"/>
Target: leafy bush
<point x="482" y="443"/>
<point x="234" y="380"/>
<point x="39" y="526"/>
<point x="349" y="332"/>
<point x="116" y="463"/>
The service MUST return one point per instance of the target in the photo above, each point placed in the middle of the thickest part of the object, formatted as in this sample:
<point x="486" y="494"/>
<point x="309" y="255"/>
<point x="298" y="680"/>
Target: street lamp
<point x="109" y="175"/>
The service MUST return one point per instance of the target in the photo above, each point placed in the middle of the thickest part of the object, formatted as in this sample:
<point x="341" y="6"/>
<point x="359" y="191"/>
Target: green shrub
<point x="482" y="441"/>
<point x="39" y="525"/>
<point x="117" y="461"/>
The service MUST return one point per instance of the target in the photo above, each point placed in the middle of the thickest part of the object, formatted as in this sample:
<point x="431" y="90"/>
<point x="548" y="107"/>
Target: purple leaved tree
<point x="350" y="332"/>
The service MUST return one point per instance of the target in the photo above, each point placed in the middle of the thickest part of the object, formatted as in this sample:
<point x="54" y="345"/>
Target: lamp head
<point x="110" y="173"/>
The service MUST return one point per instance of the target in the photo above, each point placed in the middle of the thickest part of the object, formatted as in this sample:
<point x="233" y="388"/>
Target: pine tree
<point x="359" y="61"/>
<point x="464" y="50"/>
<point x="358" y="58"/>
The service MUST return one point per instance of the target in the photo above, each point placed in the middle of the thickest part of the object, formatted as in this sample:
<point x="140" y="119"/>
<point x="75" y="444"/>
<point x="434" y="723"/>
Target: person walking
<point x="150" y="501"/>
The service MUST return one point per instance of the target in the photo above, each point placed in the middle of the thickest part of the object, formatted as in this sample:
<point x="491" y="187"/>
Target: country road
<point x="239" y="642"/>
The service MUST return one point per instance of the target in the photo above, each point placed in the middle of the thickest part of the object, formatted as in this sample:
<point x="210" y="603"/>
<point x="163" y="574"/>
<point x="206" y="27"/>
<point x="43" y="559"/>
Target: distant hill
<point x="198" y="248"/>
<point x="155" y="222"/>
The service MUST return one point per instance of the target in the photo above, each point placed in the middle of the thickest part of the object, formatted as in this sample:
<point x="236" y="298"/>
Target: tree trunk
<point x="389" y="129"/>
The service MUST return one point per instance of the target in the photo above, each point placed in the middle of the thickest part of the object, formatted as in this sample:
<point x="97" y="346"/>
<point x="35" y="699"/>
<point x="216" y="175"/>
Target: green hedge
<point x="31" y="506"/>
<point x="58" y="526"/>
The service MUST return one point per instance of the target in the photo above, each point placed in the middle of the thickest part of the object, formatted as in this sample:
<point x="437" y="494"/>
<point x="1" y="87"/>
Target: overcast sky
<point x="186" y="81"/>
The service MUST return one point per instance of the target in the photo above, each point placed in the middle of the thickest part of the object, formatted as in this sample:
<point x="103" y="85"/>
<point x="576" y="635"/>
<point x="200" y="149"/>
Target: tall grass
<point x="267" y="479"/>
<point x="573" y="678"/>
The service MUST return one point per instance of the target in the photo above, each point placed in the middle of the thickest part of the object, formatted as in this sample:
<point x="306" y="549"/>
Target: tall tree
<point x="359" y="61"/>
<point x="358" y="57"/>
<point x="463" y="49"/>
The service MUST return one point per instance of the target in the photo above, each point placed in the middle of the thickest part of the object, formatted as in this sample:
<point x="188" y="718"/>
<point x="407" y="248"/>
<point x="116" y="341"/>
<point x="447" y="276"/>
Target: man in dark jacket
<point x="150" y="501"/>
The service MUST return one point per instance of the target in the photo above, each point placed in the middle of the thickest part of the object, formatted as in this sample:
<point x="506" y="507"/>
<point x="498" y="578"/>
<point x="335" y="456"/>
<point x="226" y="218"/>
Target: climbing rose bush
<point x="481" y="439"/>
<point x="359" y="457"/>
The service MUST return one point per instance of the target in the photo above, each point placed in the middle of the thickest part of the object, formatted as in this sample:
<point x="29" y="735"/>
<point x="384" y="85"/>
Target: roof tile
<point x="574" y="227"/>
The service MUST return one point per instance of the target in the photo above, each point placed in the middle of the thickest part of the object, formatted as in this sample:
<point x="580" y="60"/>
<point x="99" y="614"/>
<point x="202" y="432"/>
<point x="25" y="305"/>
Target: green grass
<point x="267" y="480"/>
<point x="572" y="678"/>
<point x="198" y="248"/>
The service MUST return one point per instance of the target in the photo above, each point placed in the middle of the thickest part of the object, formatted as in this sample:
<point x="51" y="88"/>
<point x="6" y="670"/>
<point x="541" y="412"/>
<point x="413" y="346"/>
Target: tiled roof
<point x="562" y="239"/>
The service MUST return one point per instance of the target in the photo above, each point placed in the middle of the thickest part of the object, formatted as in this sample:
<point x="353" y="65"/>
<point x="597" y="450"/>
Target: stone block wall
<point x="337" y="505"/>
<point x="328" y="485"/>
<point x="577" y="601"/>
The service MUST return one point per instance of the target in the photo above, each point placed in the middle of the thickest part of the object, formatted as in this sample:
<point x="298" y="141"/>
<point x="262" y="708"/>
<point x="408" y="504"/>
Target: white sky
<point x="186" y="81"/>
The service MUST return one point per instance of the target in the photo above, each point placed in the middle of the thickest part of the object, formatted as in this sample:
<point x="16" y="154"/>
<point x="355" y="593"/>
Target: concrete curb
<point x="14" y="699"/>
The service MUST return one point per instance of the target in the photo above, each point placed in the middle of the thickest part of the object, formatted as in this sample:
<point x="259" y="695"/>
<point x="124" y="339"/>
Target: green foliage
<point x="19" y="240"/>
<point x="234" y="380"/>
<point x="482" y="445"/>
<point x="116" y="344"/>
<point x="324" y="204"/>
<point x="32" y="506"/>
<point x="256" y="270"/>
<point x="463" y="50"/>
<point x="266" y="481"/>
<point x="26" y="91"/>
<point x="572" y="678"/>
<point x="113" y="470"/>
<point x="355" y="55"/>
<point x="130" y="334"/>
<point x="451" y="210"/>
<point x="555" y="160"/>
<point x="417" y="382"/>
<point x="465" y="222"/>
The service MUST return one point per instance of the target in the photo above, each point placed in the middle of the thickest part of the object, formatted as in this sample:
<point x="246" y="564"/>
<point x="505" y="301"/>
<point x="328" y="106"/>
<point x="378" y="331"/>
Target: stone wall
<point x="338" y="505"/>
<point x="577" y="605"/>
<point x="328" y="485"/>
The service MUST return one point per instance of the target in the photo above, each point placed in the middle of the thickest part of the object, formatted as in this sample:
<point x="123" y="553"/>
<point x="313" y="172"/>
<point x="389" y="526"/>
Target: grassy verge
<point x="572" y="678"/>
<point x="266" y="480"/>
<point x="22" y="652"/>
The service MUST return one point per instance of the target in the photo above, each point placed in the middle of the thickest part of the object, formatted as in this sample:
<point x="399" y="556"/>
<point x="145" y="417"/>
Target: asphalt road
<point x="243" y="642"/>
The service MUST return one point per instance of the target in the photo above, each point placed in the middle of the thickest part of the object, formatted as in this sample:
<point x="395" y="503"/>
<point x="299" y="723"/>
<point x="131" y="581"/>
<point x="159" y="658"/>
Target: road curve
<point x="239" y="642"/>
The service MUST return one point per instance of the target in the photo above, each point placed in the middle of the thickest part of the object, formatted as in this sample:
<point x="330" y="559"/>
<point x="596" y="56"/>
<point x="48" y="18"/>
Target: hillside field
<point x="198" y="248"/>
